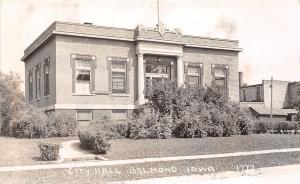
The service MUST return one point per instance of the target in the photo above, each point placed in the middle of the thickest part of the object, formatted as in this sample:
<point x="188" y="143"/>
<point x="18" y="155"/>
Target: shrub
<point x="36" y="124"/>
<point x="242" y="116"/>
<point x="31" y="124"/>
<point x="107" y="125"/>
<point x="149" y="125"/>
<point x="61" y="125"/>
<point x="94" y="139"/>
<point x="261" y="127"/>
<point x="122" y="129"/>
<point x="285" y="127"/>
<point x="193" y="123"/>
<point x="49" y="151"/>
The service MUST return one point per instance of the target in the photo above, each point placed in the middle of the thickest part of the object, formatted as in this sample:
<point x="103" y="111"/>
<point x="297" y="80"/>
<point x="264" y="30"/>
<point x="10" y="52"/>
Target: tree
<point x="11" y="100"/>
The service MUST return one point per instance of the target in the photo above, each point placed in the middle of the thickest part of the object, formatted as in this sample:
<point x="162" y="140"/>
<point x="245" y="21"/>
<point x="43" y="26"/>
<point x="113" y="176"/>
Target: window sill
<point x="120" y="95"/>
<point x="48" y="96"/>
<point x="101" y="92"/>
<point x="83" y="94"/>
<point x="38" y="99"/>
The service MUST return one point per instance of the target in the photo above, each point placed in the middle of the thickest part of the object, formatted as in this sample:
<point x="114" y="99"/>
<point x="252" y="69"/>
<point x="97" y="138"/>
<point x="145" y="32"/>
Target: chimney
<point x="88" y="23"/>
<point x="241" y="83"/>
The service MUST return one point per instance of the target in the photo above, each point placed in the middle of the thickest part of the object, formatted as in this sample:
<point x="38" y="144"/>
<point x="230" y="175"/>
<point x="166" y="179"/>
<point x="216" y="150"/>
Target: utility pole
<point x="271" y="86"/>
<point x="157" y="12"/>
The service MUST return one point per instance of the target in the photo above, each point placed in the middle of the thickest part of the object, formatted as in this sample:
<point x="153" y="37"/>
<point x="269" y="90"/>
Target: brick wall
<point x="47" y="50"/>
<point x="102" y="49"/>
<point x="208" y="57"/>
<point x="252" y="93"/>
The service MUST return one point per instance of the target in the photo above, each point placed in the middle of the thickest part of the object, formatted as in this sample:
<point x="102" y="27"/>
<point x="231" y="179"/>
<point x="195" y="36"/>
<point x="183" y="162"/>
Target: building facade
<point x="89" y="70"/>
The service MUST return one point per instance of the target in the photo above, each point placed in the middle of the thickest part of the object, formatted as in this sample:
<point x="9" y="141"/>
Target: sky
<point x="268" y="30"/>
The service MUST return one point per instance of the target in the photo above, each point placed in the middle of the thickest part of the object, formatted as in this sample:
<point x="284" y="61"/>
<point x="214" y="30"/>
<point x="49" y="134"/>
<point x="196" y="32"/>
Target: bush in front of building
<point x="106" y="124"/>
<point x="95" y="139"/>
<point x="49" y="151"/>
<point x="243" y="118"/>
<point x="30" y="124"/>
<point x="285" y="127"/>
<point x="280" y="127"/>
<point x="197" y="111"/>
<point x="261" y="127"/>
<point x="150" y="126"/>
<point x="122" y="129"/>
<point x="60" y="125"/>
<point x="33" y="123"/>
<point x="194" y="122"/>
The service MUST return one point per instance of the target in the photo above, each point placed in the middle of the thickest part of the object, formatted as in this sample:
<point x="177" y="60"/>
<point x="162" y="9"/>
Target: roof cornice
<point x="130" y="35"/>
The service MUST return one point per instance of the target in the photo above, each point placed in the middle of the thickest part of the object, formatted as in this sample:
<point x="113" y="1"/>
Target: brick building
<point x="88" y="70"/>
<point x="258" y="99"/>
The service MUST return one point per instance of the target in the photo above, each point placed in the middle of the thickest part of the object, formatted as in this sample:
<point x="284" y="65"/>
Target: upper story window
<point x="220" y="75"/>
<point x="119" y="75"/>
<point x="83" y="74"/>
<point x="47" y="77"/>
<point x="194" y="74"/>
<point x="38" y="81"/>
<point x="30" y="86"/>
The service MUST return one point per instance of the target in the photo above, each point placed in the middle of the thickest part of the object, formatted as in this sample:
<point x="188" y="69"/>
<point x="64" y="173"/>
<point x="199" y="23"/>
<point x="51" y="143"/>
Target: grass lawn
<point x="23" y="151"/>
<point x="130" y="149"/>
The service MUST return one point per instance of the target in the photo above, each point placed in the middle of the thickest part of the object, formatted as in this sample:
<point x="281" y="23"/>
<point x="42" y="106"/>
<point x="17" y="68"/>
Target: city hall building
<point x="87" y="70"/>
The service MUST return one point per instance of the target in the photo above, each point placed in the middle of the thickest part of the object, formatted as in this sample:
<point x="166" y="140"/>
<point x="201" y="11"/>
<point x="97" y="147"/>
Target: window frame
<point x="225" y="78"/>
<point x="91" y="69"/>
<point x="124" y="70"/>
<point x="199" y="66"/>
<point x="38" y="81"/>
<point x="30" y="86"/>
<point x="46" y="77"/>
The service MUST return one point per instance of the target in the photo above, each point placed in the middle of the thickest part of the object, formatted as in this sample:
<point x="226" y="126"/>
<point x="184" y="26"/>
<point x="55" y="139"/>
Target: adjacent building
<point x="87" y="70"/>
<point x="258" y="99"/>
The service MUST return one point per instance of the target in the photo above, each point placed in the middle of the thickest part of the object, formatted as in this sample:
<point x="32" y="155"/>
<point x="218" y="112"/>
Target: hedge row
<point x="37" y="124"/>
<point x="282" y="127"/>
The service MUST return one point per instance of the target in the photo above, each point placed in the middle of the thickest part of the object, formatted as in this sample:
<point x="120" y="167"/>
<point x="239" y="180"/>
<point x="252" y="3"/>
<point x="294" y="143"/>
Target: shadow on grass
<point x="37" y="158"/>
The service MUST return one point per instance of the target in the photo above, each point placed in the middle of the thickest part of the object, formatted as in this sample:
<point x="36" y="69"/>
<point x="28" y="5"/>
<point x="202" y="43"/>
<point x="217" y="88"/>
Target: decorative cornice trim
<point x="92" y="36"/>
<point x="212" y="47"/>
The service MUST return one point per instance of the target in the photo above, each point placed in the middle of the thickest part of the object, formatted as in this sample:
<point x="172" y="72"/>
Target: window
<point x="194" y="74"/>
<point x="47" y="77"/>
<point x="84" y="115"/>
<point x="119" y="76"/>
<point x="158" y="69"/>
<point x="38" y="81"/>
<point x="82" y="76"/>
<point x="30" y="90"/>
<point x="119" y="114"/>
<point x="220" y="77"/>
<point x="156" y="72"/>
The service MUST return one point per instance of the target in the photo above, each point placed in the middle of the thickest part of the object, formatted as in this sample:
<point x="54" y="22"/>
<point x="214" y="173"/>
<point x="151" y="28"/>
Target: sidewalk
<point x="272" y="175"/>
